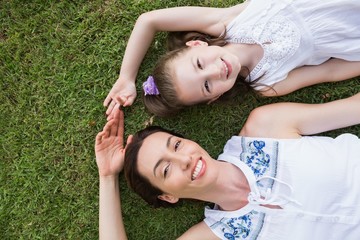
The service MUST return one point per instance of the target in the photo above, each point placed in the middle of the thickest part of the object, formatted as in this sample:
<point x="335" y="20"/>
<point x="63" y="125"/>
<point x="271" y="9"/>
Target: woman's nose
<point x="183" y="160"/>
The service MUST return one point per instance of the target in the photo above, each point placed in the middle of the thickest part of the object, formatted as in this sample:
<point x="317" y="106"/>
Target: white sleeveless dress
<point x="294" y="33"/>
<point x="316" y="181"/>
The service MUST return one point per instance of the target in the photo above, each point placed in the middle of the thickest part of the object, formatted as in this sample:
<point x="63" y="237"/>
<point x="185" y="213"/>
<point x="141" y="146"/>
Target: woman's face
<point x="177" y="166"/>
<point x="203" y="73"/>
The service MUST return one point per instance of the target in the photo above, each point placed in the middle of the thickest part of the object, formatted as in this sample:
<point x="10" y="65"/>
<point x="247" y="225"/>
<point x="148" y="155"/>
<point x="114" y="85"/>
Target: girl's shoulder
<point x="232" y="12"/>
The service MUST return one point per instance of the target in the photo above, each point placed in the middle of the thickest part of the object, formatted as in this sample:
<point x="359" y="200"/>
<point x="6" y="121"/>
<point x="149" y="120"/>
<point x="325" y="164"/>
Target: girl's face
<point x="203" y="73"/>
<point x="177" y="166"/>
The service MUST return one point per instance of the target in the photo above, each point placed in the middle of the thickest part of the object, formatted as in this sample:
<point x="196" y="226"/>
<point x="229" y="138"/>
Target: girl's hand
<point x="109" y="145"/>
<point x="123" y="92"/>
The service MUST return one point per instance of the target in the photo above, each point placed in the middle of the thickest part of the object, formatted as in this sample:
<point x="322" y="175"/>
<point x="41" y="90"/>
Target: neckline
<point x="250" y="177"/>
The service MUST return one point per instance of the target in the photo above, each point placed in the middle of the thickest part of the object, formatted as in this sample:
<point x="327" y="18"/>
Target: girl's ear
<point x="168" y="198"/>
<point x="194" y="43"/>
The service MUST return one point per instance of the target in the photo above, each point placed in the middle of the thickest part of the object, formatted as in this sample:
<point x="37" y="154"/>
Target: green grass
<point x="58" y="60"/>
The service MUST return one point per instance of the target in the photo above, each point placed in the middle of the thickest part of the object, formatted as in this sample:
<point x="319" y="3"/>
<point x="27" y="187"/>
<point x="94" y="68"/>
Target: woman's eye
<point x="166" y="170"/>
<point x="177" y="145"/>
<point x="199" y="64"/>
<point x="206" y="84"/>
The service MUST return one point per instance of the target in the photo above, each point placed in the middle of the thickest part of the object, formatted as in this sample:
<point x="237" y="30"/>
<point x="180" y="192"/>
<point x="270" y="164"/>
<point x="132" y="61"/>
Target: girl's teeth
<point x="226" y="68"/>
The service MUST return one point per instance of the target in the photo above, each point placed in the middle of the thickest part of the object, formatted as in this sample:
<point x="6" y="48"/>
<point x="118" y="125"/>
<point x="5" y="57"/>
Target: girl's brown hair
<point x="167" y="103"/>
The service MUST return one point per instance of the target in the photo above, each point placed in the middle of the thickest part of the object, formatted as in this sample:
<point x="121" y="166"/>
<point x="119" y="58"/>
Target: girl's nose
<point x="213" y="72"/>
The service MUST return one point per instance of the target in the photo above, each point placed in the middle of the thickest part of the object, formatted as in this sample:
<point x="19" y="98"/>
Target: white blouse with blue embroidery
<point x="315" y="180"/>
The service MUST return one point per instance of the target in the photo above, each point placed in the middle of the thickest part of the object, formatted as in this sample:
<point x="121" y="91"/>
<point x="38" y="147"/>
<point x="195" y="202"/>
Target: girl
<point x="270" y="183"/>
<point x="273" y="46"/>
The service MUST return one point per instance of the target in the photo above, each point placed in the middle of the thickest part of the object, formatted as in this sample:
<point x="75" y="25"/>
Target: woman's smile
<point x="199" y="169"/>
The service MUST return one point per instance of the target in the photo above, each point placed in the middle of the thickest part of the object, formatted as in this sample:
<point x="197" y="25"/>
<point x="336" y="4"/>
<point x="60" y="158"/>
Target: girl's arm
<point x="332" y="70"/>
<point x="207" y="20"/>
<point x="291" y="120"/>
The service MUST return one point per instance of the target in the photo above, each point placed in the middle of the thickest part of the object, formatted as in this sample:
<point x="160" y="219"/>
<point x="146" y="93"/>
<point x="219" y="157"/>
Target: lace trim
<point x="279" y="38"/>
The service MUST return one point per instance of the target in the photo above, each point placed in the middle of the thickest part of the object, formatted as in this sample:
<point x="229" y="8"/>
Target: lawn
<point x="58" y="60"/>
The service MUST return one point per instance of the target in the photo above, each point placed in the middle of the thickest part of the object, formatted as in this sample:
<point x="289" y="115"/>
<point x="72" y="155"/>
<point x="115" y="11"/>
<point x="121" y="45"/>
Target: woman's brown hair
<point x="140" y="184"/>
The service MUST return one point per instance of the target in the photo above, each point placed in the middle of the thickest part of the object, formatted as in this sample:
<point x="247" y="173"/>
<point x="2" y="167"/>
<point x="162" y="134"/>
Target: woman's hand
<point x="109" y="145"/>
<point x="123" y="92"/>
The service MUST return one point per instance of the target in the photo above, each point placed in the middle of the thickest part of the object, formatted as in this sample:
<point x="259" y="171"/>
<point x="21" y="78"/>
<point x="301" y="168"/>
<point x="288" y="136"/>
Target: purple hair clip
<point x="149" y="87"/>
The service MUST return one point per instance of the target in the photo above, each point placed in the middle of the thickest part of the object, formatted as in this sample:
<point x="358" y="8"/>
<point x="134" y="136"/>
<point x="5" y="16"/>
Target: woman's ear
<point x="168" y="198"/>
<point x="195" y="43"/>
<point x="214" y="99"/>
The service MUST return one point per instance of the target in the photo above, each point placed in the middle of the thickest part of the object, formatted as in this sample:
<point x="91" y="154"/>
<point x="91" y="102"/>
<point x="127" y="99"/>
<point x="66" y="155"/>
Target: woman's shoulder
<point x="272" y="121"/>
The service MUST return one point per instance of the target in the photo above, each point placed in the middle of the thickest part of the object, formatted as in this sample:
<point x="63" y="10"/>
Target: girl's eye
<point x="166" y="170"/>
<point x="177" y="145"/>
<point x="206" y="84"/>
<point x="199" y="64"/>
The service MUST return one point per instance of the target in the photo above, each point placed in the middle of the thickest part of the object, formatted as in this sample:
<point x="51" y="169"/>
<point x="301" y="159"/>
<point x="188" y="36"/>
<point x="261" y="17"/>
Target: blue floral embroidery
<point x="256" y="158"/>
<point x="240" y="227"/>
<point x="261" y="157"/>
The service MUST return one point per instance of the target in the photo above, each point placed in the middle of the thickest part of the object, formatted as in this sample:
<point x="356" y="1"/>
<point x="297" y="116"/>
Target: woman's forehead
<point x="152" y="151"/>
<point x="154" y="146"/>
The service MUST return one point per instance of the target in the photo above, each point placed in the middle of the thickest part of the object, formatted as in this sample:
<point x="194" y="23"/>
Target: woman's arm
<point x="110" y="218"/>
<point x="109" y="152"/>
<point x="291" y="120"/>
<point x="199" y="231"/>
<point x="332" y="70"/>
<point x="207" y="20"/>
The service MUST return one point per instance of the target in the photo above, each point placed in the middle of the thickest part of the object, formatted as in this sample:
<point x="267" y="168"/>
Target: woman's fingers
<point x="107" y="130"/>
<point x="118" y="117"/>
<point x="98" y="139"/>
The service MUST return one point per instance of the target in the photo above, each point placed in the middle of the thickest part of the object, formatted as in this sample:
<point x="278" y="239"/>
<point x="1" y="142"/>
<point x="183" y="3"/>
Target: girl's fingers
<point x="110" y="107"/>
<point x="107" y="100"/>
<point x="129" y="101"/>
<point x="121" y="100"/>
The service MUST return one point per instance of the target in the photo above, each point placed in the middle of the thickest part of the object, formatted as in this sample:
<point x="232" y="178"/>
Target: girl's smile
<point x="203" y="73"/>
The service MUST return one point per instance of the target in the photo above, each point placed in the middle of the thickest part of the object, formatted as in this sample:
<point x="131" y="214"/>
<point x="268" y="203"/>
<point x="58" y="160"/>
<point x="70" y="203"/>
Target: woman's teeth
<point x="197" y="170"/>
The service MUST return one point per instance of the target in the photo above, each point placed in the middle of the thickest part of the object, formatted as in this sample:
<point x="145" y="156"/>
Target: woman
<point x="275" y="47"/>
<point x="271" y="182"/>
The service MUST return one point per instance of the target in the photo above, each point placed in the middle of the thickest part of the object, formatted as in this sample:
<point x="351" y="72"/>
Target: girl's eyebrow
<point x="193" y="62"/>
<point x="161" y="160"/>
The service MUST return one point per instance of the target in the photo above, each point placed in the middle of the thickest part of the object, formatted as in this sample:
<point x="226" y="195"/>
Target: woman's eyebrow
<point x="161" y="160"/>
